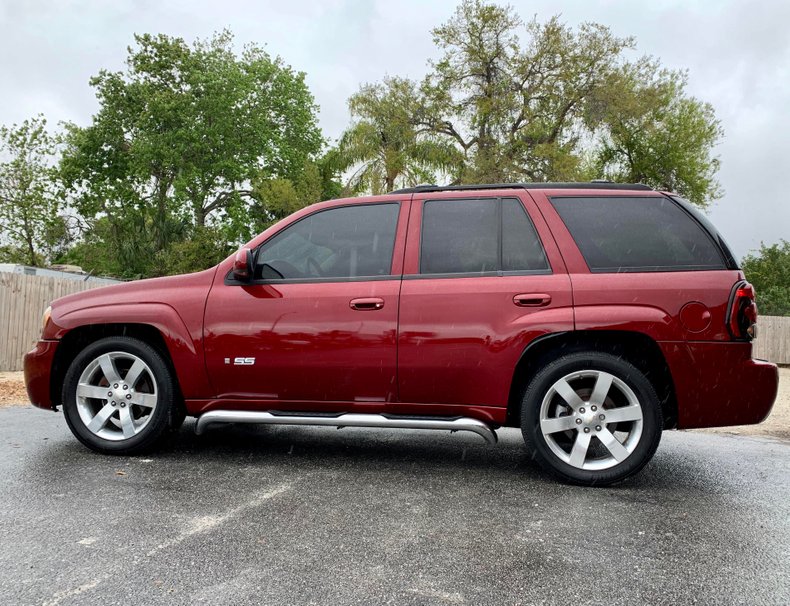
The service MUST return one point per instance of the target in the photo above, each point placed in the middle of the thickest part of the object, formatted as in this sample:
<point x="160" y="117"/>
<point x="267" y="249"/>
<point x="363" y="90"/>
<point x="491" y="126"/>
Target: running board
<point x="347" y="420"/>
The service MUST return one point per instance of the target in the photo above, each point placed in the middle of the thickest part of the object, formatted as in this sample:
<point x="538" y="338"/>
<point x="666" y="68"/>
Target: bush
<point x="769" y="272"/>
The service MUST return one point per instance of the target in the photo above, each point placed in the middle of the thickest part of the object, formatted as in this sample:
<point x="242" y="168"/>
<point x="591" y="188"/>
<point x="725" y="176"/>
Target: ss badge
<point x="241" y="361"/>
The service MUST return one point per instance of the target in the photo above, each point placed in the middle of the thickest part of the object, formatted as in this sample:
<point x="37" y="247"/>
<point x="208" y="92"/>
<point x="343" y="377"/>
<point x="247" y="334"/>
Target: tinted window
<point x="459" y="236"/>
<point x="711" y="229"/>
<point x="521" y="247"/>
<point x="346" y="242"/>
<point x="637" y="234"/>
<point x="463" y="236"/>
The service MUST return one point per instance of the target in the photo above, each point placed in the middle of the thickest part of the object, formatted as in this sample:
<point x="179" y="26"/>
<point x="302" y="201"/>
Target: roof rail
<point x="565" y="185"/>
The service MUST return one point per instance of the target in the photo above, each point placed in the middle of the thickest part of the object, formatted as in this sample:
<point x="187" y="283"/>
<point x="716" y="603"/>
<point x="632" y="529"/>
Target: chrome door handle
<point x="532" y="300"/>
<point x="366" y="304"/>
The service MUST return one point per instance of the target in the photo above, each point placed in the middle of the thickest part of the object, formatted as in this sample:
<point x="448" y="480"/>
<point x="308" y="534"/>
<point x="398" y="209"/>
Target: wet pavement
<point x="287" y="515"/>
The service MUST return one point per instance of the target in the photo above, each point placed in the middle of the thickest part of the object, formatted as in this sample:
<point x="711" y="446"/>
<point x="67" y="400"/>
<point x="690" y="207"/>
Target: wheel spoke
<point x="146" y="400"/>
<point x="624" y="413"/>
<point x="101" y="418"/>
<point x="601" y="390"/>
<point x="548" y="426"/>
<point x="108" y="368"/>
<point x="134" y="373"/>
<point x="618" y="451"/>
<point x="567" y="393"/>
<point x="92" y="391"/>
<point x="579" y="450"/>
<point x="127" y="423"/>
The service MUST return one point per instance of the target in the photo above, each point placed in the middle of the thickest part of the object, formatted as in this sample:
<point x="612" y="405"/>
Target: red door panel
<point x="307" y="341"/>
<point x="460" y="338"/>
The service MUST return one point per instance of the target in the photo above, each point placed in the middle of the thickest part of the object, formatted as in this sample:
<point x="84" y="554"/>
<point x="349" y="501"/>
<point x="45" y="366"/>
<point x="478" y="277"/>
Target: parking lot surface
<point x="288" y="515"/>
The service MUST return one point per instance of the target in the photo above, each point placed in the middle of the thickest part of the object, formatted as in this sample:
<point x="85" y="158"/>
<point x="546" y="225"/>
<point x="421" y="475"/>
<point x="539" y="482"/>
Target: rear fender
<point x="651" y="321"/>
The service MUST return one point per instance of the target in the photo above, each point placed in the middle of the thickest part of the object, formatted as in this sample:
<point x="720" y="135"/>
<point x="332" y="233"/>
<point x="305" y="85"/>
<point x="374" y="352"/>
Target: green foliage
<point x="196" y="147"/>
<point x="205" y="247"/>
<point x="769" y="273"/>
<point x="31" y="229"/>
<point x="179" y="139"/>
<point x="515" y="101"/>
<point x="652" y="133"/>
<point x="385" y="148"/>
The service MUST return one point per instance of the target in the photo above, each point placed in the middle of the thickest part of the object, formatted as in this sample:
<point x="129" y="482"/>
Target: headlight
<point x="45" y="319"/>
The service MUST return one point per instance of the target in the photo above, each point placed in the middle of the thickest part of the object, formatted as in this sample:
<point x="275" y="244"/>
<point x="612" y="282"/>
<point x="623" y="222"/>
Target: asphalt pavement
<point x="289" y="515"/>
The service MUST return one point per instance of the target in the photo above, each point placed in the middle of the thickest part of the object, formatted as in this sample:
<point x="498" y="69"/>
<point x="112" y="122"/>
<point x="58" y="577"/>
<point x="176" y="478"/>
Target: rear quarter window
<point x="632" y="234"/>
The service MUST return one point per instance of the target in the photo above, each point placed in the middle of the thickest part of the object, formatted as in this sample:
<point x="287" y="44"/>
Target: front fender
<point x="186" y="351"/>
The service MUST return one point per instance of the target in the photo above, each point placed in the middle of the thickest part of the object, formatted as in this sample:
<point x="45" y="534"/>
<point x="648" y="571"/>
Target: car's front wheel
<point x="118" y="396"/>
<point x="591" y="418"/>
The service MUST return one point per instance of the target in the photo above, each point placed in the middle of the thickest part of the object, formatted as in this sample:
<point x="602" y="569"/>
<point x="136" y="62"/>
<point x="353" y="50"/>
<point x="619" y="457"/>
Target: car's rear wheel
<point x="118" y="396"/>
<point x="591" y="418"/>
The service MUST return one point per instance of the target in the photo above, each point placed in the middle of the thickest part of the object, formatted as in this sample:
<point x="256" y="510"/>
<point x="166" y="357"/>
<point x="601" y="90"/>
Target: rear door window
<point x="479" y="236"/>
<point x="633" y="234"/>
<point x="521" y="247"/>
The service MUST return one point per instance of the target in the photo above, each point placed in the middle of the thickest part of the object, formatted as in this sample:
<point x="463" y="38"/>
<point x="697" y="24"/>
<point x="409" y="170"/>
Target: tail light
<point x="743" y="312"/>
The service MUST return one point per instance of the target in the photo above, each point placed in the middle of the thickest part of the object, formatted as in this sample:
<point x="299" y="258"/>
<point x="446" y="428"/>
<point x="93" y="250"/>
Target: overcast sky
<point x="737" y="53"/>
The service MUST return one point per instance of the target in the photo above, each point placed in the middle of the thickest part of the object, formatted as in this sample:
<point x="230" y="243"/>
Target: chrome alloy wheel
<point x="116" y="395"/>
<point x="591" y="420"/>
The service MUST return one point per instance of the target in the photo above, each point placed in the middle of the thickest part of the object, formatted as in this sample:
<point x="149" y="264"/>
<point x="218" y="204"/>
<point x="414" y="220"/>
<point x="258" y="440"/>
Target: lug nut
<point x="123" y="404"/>
<point x="128" y="396"/>
<point x="113" y="403"/>
<point x="602" y="417"/>
<point x="578" y="421"/>
<point x="116" y="386"/>
<point x="127" y="387"/>
<point x="109" y="393"/>
<point x="593" y="408"/>
<point x="597" y="428"/>
<point x="586" y="430"/>
<point x="581" y="410"/>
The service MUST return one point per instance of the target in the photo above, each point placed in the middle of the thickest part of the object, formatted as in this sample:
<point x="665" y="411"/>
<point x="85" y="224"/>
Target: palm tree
<point x="384" y="148"/>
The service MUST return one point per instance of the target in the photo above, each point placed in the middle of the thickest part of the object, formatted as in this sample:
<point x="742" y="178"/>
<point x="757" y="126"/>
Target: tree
<point x="769" y="273"/>
<point x="30" y="226"/>
<point x="179" y="139"/>
<point x="516" y="110"/>
<point x="652" y="133"/>
<point x="543" y="101"/>
<point x="385" y="148"/>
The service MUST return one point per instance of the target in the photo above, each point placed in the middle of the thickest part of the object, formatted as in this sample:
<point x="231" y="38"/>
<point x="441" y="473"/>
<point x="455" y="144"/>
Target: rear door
<point x="482" y="279"/>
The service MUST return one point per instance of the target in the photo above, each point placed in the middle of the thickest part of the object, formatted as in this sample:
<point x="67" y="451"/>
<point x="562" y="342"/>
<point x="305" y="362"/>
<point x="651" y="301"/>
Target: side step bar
<point x="347" y="420"/>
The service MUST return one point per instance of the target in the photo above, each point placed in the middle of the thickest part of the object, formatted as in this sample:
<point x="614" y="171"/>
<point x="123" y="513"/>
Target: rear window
<point x="622" y="234"/>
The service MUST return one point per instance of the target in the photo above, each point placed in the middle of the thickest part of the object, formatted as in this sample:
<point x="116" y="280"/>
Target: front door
<point x="318" y="322"/>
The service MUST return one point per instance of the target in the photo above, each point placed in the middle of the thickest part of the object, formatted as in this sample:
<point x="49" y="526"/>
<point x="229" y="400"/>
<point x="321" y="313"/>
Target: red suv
<point x="591" y="315"/>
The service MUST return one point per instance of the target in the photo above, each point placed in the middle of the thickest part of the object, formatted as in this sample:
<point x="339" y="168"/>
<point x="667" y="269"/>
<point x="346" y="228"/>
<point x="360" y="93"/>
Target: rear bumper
<point x="719" y="384"/>
<point x="38" y="370"/>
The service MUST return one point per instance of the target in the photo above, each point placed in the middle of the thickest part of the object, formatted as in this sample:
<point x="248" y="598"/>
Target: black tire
<point x="165" y="417"/>
<point x="592" y="362"/>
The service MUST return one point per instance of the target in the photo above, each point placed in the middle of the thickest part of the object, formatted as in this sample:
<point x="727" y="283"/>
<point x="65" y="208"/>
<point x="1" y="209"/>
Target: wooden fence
<point x="23" y="300"/>
<point x="773" y="339"/>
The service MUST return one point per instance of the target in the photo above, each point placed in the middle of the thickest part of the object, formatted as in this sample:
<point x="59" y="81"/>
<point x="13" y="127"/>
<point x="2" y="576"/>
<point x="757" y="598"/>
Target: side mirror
<point x="242" y="265"/>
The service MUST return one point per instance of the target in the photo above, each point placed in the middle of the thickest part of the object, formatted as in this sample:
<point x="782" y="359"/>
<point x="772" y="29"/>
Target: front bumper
<point x="38" y="370"/>
<point x="719" y="384"/>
